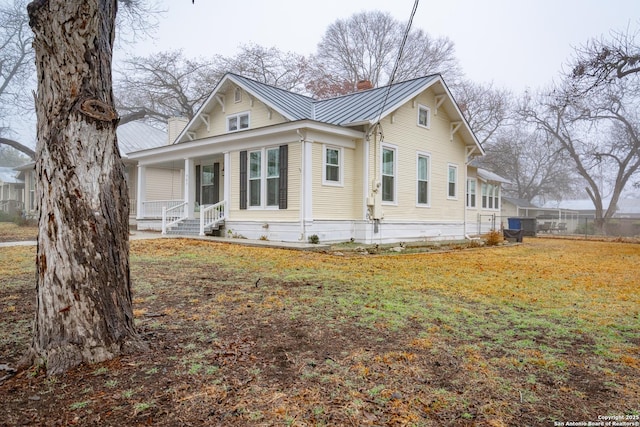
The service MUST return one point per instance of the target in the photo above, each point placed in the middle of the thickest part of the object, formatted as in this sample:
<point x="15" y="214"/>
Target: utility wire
<point x="397" y="64"/>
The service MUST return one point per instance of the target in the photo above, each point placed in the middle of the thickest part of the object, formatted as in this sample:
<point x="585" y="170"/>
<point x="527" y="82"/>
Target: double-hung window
<point x="264" y="178"/>
<point x="452" y="181"/>
<point x="423" y="179"/>
<point x="388" y="174"/>
<point x="471" y="193"/>
<point x="485" y="194"/>
<point x="273" y="176"/>
<point x="332" y="174"/>
<point x="264" y="188"/>
<point x="255" y="178"/>
<point x="238" y="122"/>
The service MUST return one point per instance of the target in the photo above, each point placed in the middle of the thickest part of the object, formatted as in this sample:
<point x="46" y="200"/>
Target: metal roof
<point x="8" y="175"/>
<point x="292" y="105"/>
<point x="365" y="106"/>
<point x="136" y="136"/>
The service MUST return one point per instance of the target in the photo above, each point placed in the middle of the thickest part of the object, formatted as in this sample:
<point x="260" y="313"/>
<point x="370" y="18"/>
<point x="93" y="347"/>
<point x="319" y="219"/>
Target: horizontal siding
<point x="402" y="131"/>
<point x="336" y="202"/>
<point x="164" y="184"/>
<point x="259" y="115"/>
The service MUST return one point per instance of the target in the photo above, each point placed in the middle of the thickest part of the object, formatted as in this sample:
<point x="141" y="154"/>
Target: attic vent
<point x="364" y="85"/>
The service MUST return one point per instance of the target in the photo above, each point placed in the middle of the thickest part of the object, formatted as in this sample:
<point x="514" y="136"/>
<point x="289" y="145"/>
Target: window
<point x="238" y="122"/>
<point x="332" y="162"/>
<point x="273" y="176"/>
<point x="452" y="191"/>
<point x="496" y="197"/>
<point x="237" y="95"/>
<point x="255" y="178"/>
<point x="424" y="116"/>
<point x="471" y="193"/>
<point x="388" y="174"/>
<point x="485" y="191"/>
<point x="423" y="179"/>
<point x="263" y="178"/>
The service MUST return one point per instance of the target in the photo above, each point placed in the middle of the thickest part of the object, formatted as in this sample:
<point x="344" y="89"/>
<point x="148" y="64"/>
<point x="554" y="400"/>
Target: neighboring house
<point x="11" y="191"/>
<point x="379" y="165"/>
<point x="548" y="219"/>
<point x="625" y="220"/>
<point x="133" y="136"/>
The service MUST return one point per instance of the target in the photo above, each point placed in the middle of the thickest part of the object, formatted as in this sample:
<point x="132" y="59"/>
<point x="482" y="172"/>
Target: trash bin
<point x="528" y="225"/>
<point x="513" y="235"/>
<point x="514" y="224"/>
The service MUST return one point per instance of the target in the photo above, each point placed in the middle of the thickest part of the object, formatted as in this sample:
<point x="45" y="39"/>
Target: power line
<point x="398" y="59"/>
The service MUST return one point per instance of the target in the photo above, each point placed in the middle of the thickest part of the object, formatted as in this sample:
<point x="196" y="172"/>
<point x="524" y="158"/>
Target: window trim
<point x="475" y="193"/>
<point x="237" y="95"/>
<point x="394" y="149"/>
<point x="426" y="156"/>
<point x="340" y="165"/>
<point x="237" y="116"/>
<point x="455" y="167"/>
<point x="264" y="172"/>
<point x="428" y="110"/>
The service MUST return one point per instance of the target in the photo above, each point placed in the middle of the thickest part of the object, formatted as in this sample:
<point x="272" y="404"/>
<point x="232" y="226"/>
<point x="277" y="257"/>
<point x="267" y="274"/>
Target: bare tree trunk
<point x="84" y="308"/>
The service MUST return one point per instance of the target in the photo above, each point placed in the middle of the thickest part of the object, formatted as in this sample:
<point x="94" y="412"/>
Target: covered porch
<point x="183" y="197"/>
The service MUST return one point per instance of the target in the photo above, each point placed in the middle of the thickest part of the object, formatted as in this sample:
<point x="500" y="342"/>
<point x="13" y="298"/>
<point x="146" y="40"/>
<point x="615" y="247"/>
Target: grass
<point x="544" y="331"/>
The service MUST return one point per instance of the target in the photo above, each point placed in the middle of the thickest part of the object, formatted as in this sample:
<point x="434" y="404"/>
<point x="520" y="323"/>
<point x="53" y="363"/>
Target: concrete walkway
<point x="145" y="235"/>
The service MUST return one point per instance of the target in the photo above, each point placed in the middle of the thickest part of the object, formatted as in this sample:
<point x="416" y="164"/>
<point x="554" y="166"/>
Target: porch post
<point x="141" y="191"/>
<point x="226" y="172"/>
<point x="189" y="187"/>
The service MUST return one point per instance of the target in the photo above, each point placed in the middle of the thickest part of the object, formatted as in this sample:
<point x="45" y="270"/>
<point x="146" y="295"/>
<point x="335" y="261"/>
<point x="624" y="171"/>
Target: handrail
<point x="153" y="208"/>
<point x="212" y="214"/>
<point x="172" y="215"/>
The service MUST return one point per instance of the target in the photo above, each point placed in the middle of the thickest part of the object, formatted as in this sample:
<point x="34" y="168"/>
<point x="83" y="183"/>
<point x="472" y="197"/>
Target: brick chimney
<point x="364" y="85"/>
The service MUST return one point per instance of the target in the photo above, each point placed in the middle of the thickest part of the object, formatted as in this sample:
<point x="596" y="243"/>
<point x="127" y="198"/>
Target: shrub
<point x="314" y="239"/>
<point x="493" y="238"/>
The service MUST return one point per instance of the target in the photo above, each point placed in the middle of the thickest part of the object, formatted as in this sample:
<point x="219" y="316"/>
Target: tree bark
<point x="84" y="307"/>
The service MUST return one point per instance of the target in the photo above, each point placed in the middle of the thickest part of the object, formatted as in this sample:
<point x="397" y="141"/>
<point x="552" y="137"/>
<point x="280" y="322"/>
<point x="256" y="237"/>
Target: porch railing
<point x="153" y="208"/>
<point x="172" y="215"/>
<point x="212" y="214"/>
<point x="11" y="206"/>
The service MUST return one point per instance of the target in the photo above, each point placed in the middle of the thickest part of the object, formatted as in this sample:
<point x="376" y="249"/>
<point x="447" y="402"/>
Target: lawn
<point x="533" y="334"/>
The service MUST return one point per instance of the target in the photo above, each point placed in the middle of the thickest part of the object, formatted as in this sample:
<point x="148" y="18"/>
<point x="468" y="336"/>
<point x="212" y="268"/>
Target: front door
<point x="208" y="185"/>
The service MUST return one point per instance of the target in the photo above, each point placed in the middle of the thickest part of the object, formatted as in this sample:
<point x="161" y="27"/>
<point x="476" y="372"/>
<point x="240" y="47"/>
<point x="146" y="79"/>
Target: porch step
<point x="191" y="227"/>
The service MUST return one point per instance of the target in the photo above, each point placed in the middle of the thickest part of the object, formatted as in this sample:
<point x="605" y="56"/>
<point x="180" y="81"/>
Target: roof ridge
<point x="270" y="85"/>
<point x="429" y="76"/>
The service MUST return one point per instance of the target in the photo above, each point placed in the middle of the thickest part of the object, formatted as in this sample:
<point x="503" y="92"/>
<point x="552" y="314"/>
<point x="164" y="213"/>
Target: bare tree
<point x="83" y="286"/>
<point x="169" y="84"/>
<point x="16" y="54"/>
<point x="285" y="70"/>
<point x="486" y="108"/>
<point x="534" y="163"/>
<point x="601" y="61"/>
<point x="163" y="85"/>
<point x="366" y="46"/>
<point x="600" y="133"/>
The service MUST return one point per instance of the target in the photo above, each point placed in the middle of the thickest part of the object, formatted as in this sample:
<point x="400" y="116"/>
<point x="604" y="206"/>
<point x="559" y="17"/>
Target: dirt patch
<point x="231" y="350"/>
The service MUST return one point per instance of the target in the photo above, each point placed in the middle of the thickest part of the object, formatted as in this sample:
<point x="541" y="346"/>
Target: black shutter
<point x="284" y="172"/>
<point x="243" y="180"/>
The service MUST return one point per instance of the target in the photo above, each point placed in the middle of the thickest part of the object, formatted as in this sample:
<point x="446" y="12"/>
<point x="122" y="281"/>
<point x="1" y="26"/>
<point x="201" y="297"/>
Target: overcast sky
<point x="514" y="43"/>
